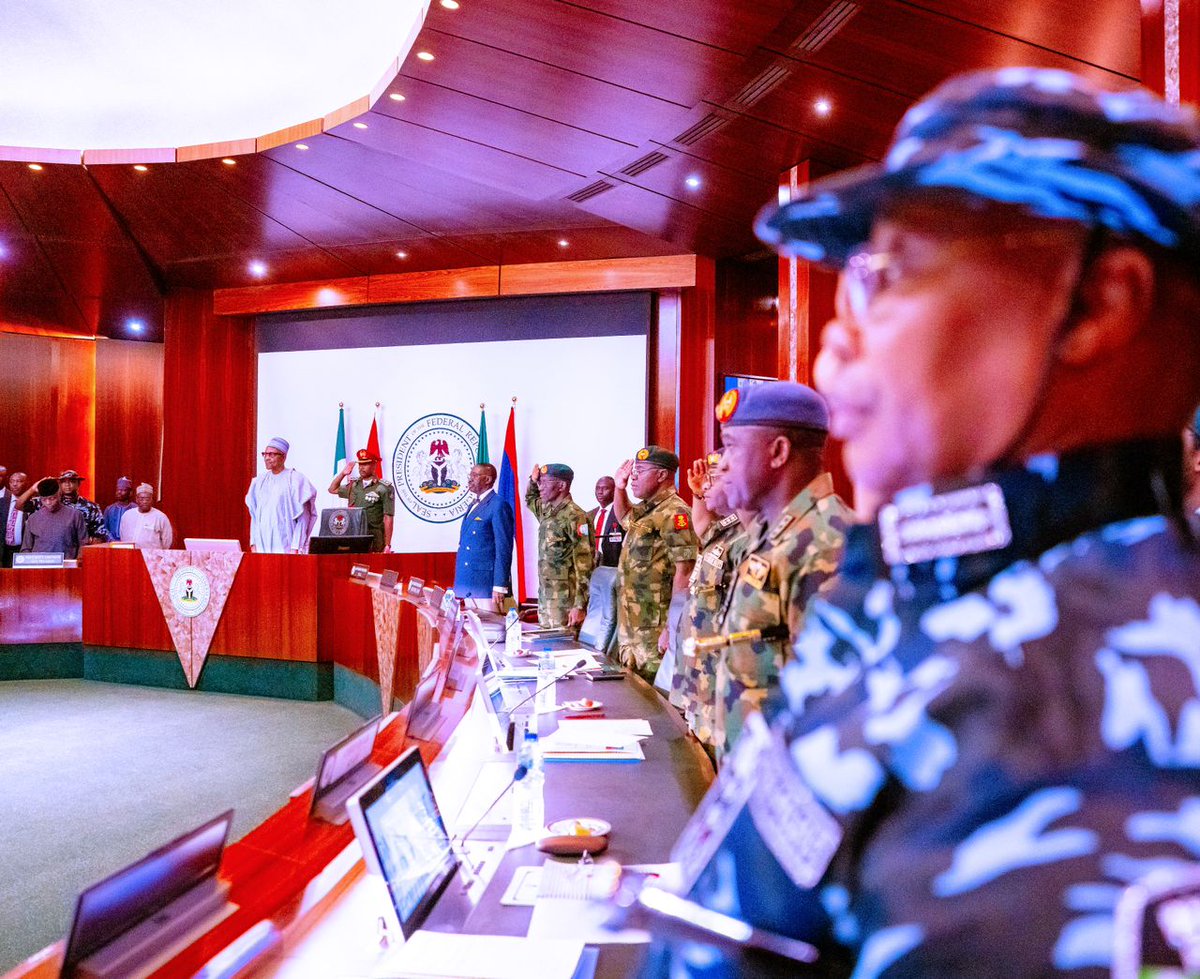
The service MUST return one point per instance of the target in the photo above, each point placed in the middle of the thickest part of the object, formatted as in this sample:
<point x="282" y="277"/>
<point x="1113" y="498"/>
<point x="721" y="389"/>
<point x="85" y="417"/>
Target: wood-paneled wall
<point x="129" y="407"/>
<point x="210" y="382"/>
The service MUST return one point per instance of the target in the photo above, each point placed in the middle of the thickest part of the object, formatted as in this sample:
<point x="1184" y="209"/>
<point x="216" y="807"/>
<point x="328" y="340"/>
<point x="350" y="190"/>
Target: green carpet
<point x="95" y="775"/>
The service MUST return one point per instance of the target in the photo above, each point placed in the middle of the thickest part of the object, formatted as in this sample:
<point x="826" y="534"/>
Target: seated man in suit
<point x="606" y="528"/>
<point x="483" y="568"/>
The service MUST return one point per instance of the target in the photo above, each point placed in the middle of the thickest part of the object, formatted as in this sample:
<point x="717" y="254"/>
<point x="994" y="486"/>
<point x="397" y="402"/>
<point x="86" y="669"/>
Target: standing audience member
<point x="606" y="528"/>
<point x="115" y="511"/>
<point x="483" y="566"/>
<point x="371" y="494"/>
<point x="774" y="436"/>
<point x="564" y="547"/>
<point x="54" y="527"/>
<point x="145" y="526"/>
<point x="68" y="483"/>
<point x="12" y="517"/>
<point x="657" y="557"/>
<point x="282" y="505"/>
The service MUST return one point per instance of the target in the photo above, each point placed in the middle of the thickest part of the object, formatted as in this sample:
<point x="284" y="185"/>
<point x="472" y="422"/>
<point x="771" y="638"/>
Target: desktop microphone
<point x="461" y="838"/>
<point x="547" y="685"/>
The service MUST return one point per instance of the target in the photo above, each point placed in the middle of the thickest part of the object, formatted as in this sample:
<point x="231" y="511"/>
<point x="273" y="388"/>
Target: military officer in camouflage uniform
<point x="986" y="755"/>
<point x="774" y="436"/>
<point x="564" y="547"/>
<point x="722" y="538"/>
<point x="376" y="496"/>
<point x="657" y="559"/>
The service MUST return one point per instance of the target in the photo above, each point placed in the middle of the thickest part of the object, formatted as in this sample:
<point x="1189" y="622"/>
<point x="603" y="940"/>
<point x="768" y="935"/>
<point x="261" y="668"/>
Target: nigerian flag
<point x="482" y="455"/>
<point x="339" y="450"/>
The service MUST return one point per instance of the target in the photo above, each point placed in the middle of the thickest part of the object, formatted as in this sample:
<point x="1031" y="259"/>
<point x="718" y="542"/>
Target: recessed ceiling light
<point x="402" y="254"/>
<point x="360" y="125"/>
<point x="135" y="326"/>
<point x="257" y="269"/>
<point x="562" y="243"/>
<point x="822" y="107"/>
<point x="140" y="167"/>
<point x="302" y="146"/>
<point x="396" y="97"/>
<point x="424" y="55"/>
<point x="693" y="182"/>
<point x="229" y="162"/>
<point x="450" y="4"/>
<point x="35" y="166"/>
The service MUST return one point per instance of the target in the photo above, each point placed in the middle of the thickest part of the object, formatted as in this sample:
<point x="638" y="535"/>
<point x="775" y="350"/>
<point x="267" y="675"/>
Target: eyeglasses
<point x="271" y="452"/>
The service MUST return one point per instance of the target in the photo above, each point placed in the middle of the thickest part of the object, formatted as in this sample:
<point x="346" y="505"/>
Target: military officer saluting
<point x="657" y="559"/>
<point x="722" y="539"/>
<point x="372" y="494"/>
<point x="564" y="547"/>
<point x="774" y="436"/>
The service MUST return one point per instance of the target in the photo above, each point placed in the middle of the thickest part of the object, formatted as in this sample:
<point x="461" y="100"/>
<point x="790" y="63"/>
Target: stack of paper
<point x="598" y="739"/>
<point x="430" y="953"/>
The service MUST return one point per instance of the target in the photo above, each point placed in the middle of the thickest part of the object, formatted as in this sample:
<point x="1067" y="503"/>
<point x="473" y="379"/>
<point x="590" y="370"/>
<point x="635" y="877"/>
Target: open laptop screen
<point x="111" y="907"/>
<point x="403" y="837"/>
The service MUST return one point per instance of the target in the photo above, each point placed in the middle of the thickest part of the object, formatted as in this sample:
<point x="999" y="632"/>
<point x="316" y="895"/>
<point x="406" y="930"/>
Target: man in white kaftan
<point x="144" y="525"/>
<point x="282" y="505"/>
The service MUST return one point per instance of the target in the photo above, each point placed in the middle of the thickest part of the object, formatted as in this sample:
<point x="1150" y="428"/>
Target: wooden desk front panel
<point x="41" y="605"/>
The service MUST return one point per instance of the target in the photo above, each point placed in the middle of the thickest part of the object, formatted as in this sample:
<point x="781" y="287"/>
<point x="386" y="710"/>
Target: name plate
<point x="359" y="572"/>
<point x="53" y="559"/>
<point x="416" y="587"/>
<point x="388" y="580"/>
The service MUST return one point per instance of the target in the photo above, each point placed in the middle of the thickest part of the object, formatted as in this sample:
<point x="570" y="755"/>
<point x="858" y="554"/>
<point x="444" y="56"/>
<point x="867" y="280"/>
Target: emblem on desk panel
<point x="339" y="523"/>
<point x="430" y="465"/>
<point x="190" y="589"/>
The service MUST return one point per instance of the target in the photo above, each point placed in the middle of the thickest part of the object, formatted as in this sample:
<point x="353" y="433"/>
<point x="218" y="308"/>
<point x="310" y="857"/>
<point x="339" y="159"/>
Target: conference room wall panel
<point x="129" y="407"/>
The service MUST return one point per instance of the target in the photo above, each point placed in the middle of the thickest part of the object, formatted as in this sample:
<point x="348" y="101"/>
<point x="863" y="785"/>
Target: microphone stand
<point x="459" y="840"/>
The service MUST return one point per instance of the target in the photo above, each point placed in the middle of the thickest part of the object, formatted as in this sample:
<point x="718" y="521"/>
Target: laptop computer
<point x="342" y="771"/>
<point x="404" y="839"/>
<point x="142" y="914"/>
<point x="211" y="544"/>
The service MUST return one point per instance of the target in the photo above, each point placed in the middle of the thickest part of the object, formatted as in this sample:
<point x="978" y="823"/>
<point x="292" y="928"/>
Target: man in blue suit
<point x="485" y="542"/>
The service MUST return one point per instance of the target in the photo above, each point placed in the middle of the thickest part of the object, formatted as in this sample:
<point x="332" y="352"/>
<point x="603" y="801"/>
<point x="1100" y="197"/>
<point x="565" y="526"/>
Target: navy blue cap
<point x="559" y="471"/>
<point x="776" y="404"/>
<point x="1044" y="140"/>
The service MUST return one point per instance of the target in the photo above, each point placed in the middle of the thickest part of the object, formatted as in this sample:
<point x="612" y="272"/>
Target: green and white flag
<point x="482" y="455"/>
<point x="339" y="450"/>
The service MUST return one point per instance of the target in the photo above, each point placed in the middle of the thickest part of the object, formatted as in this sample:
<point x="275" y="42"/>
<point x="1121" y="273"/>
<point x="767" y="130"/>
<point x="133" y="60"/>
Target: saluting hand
<point x="624" y="471"/>
<point x="697" y="477"/>
<point x="537" y="472"/>
<point x="347" y="469"/>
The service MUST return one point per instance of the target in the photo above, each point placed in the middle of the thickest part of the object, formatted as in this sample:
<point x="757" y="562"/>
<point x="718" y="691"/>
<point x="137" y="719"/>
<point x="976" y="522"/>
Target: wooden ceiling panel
<point x="489" y="124"/>
<point x="318" y="212"/>
<point x="59" y="201"/>
<point x="605" y="241"/>
<point x="612" y="50"/>
<point x="178" y="214"/>
<point x="571" y="98"/>
<point x="723" y="24"/>
<point x="420" y="255"/>
<point x="226" y="271"/>
<point x="109" y="282"/>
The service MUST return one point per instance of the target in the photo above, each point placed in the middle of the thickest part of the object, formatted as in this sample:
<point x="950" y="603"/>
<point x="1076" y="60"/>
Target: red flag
<point x="509" y="489"/>
<point x="373" y="440"/>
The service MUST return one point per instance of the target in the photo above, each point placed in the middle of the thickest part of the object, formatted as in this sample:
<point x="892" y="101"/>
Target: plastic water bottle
<point x="545" y="701"/>
<point x="529" y="793"/>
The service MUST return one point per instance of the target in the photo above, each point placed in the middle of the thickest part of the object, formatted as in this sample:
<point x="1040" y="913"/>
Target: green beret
<point x="656" y="455"/>
<point x="559" y="471"/>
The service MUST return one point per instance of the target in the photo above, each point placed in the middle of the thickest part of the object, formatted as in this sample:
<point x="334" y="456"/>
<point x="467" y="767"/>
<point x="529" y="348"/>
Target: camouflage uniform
<point x="782" y="568"/>
<point x="93" y="516"/>
<point x="658" y="535"/>
<point x="564" y="557"/>
<point x="378" y="498"/>
<point x="693" y="687"/>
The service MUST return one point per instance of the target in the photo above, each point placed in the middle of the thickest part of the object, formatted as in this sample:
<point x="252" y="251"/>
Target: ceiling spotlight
<point x="396" y="97"/>
<point x="135" y="326"/>
<point x="822" y="107"/>
<point x="562" y="243"/>
<point x="424" y="55"/>
<point x="402" y="254"/>
<point x="3" y="250"/>
<point x="450" y="4"/>
<point x="693" y="183"/>
<point x="302" y="146"/>
<point x="360" y="125"/>
<point x="140" y="167"/>
<point x="35" y="166"/>
<point x="229" y="162"/>
<point x="257" y="269"/>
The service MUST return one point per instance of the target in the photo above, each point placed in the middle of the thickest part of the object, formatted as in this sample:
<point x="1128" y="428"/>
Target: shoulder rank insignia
<point x="923" y="527"/>
<point x="781" y="528"/>
<point x="681" y="521"/>
<point x="755" y="571"/>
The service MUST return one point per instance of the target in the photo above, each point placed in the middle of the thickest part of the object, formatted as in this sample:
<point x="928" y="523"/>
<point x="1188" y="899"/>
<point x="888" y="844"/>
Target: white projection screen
<point x="576" y="365"/>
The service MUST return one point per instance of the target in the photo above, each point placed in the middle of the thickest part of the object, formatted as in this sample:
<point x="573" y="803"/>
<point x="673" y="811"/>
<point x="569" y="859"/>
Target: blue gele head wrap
<point x="1046" y="141"/>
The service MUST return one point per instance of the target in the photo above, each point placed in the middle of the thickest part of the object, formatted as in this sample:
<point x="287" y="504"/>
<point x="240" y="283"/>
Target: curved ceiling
<point x="116" y="74"/>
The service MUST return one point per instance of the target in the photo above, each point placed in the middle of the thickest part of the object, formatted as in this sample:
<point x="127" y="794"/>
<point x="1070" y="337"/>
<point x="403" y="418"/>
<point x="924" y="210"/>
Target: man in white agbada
<point x="143" y="525"/>
<point x="282" y="504"/>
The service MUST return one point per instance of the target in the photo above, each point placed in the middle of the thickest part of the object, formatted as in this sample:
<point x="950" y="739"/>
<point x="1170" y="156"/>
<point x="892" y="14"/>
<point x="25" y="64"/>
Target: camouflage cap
<point x="656" y="455"/>
<point x="559" y="470"/>
<point x="777" y="404"/>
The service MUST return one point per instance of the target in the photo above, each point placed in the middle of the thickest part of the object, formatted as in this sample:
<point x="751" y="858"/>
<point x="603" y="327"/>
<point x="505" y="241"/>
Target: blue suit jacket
<point x="485" y="544"/>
